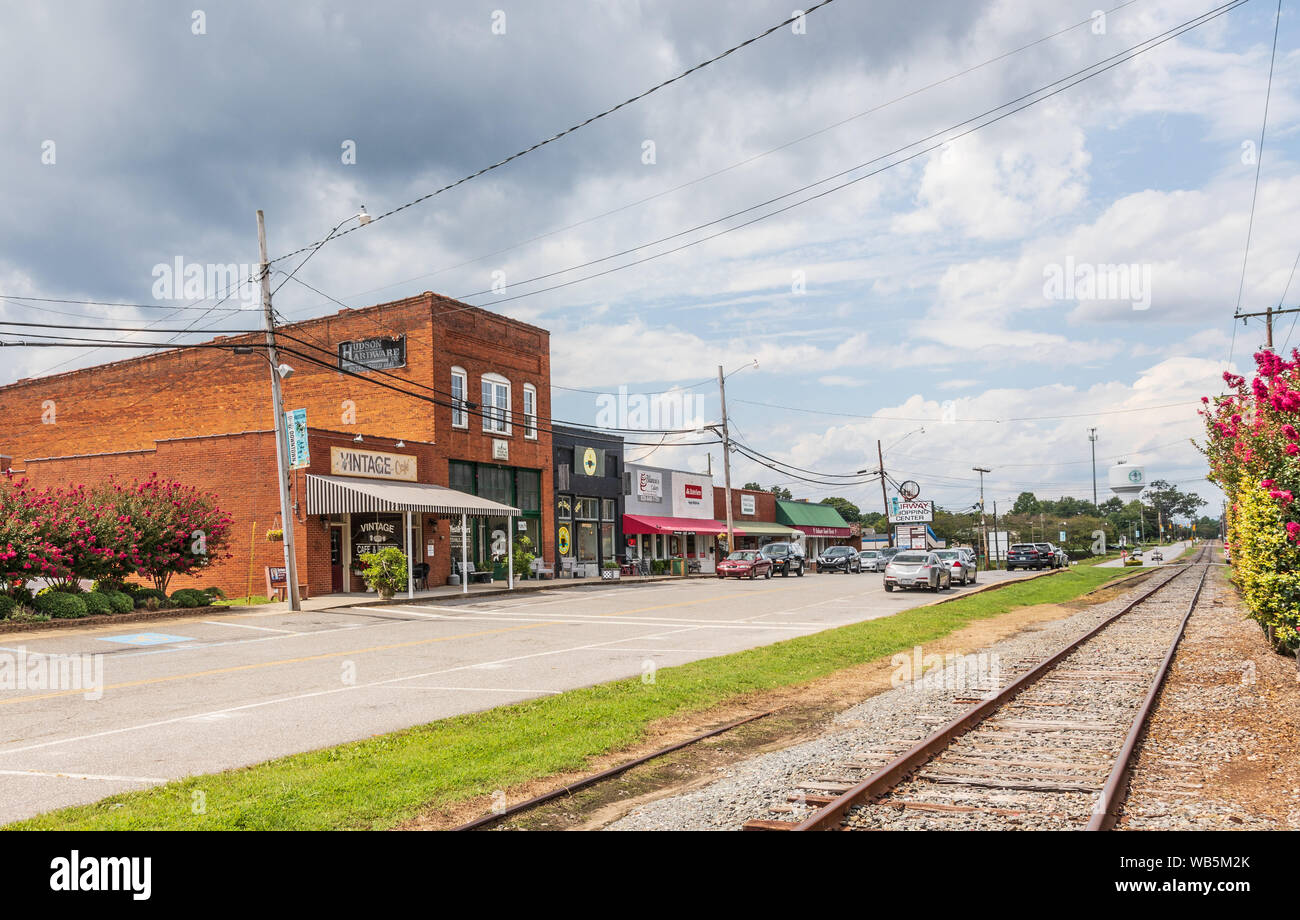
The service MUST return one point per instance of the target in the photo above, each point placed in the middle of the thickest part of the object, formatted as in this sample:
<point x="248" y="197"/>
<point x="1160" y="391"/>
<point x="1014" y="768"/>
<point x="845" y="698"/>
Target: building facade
<point x="753" y="517"/>
<point x="589" y="500"/>
<point x="473" y="417"/>
<point x="670" y="515"/>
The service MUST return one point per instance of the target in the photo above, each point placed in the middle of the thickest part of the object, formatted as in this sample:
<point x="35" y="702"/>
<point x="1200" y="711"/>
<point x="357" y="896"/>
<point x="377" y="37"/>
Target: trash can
<point x="678" y="566"/>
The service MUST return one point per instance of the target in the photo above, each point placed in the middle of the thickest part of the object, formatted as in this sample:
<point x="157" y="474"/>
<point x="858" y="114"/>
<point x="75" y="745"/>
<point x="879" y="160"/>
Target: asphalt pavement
<point x="221" y="690"/>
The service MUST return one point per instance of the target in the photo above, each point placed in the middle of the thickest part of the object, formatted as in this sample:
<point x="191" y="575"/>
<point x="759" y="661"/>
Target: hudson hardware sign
<point x="346" y="461"/>
<point x="379" y="354"/>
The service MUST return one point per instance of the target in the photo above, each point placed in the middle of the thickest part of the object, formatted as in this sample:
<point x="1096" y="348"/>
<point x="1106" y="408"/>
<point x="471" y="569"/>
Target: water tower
<point x="1127" y="481"/>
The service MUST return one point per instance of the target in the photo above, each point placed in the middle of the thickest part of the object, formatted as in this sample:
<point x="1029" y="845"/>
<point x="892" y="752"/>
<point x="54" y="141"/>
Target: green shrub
<point x="97" y="602"/>
<point x="60" y="604"/>
<point x="24" y="615"/>
<point x="119" y="601"/>
<point x="190" y="597"/>
<point x="141" y="597"/>
<point x="214" y="593"/>
<point x="64" y="587"/>
<point x="106" y="586"/>
<point x="7" y="606"/>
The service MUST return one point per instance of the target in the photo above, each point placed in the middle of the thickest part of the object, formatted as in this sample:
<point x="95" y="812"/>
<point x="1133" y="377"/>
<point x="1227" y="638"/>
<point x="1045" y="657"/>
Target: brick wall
<point x="764" y="505"/>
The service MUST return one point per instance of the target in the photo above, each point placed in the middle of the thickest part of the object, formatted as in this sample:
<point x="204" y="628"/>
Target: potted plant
<point x="611" y="570"/>
<point x="275" y="535"/>
<point x="524" y="557"/>
<point x="385" y="571"/>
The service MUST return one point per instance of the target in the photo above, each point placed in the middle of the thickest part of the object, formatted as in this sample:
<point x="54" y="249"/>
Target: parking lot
<point x="215" y="691"/>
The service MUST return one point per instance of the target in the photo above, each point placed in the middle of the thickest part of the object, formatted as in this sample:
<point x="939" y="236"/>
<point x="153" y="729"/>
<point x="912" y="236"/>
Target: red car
<point x="745" y="563"/>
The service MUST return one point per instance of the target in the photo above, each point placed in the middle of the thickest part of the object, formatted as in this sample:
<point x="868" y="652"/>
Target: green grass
<point x="382" y="781"/>
<point x="241" y="601"/>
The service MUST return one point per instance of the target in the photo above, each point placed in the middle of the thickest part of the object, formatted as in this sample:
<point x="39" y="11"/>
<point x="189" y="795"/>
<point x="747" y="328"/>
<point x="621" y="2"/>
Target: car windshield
<point x="949" y="554"/>
<point x="743" y="556"/>
<point x="870" y="554"/>
<point x="776" y="549"/>
<point x="910" y="558"/>
<point x="838" y="551"/>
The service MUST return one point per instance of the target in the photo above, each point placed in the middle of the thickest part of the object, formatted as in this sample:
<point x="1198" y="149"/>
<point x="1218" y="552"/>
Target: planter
<point x="609" y="574"/>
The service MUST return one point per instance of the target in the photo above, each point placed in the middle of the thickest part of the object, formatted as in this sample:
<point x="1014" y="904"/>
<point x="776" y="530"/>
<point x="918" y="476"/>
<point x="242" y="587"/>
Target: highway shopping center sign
<point x="910" y="512"/>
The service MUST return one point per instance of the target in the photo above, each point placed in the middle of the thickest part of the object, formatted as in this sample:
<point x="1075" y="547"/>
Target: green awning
<point x="763" y="528"/>
<point x="814" y="520"/>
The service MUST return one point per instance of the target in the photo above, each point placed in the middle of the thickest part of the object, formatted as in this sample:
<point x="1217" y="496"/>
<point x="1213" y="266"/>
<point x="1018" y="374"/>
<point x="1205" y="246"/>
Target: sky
<point x="940" y="282"/>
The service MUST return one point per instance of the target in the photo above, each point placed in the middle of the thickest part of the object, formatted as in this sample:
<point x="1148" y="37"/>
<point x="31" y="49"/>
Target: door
<point x="336" y="559"/>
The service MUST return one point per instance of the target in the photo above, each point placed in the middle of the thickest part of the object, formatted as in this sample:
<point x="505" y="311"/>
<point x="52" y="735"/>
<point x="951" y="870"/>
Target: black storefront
<point x="588" y="497"/>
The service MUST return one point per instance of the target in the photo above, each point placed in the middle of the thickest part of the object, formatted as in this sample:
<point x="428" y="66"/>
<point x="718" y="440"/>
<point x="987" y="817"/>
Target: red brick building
<point x="203" y="415"/>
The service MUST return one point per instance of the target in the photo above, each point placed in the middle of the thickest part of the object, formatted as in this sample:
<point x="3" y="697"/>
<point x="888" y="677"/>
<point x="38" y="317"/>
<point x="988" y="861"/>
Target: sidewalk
<point x="454" y="592"/>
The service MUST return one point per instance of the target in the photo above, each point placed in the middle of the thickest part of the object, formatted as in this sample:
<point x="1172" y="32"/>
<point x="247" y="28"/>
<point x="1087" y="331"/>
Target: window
<point x="528" y="488"/>
<point x="462" y="477"/>
<point x="586" y="509"/>
<point x="459" y="384"/>
<point x="496" y="483"/>
<point x="530" y="411"/>
<point x="496" y="404"/>
<point x="607" y="509"/>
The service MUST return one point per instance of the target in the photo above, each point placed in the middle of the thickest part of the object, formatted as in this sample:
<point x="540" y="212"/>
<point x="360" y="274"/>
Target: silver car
<point x="872" y="560"/>
<point x="960" y="563"/>
<point x="917" y="569"/>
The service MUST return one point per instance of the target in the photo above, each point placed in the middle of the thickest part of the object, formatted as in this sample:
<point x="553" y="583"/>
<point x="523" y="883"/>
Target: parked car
<point x="960" y="563"/>
<point x="1026" y="556"/>
<point x="917" y="569"/>
<point x="745" y="563"/>
<point x="872" y="560"/>
<point x="1053" y="554"/>
<point x="839" y="559"/>
<point x="785" y="558"/>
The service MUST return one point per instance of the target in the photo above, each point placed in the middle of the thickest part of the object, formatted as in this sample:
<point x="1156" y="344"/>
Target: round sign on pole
<point x="909" y="490"/>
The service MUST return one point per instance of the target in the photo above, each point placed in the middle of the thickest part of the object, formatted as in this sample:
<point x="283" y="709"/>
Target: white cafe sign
<point x="347" y="461"/>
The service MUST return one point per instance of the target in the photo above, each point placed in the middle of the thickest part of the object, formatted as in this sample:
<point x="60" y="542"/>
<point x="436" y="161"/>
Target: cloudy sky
<point x="946" y="288"/>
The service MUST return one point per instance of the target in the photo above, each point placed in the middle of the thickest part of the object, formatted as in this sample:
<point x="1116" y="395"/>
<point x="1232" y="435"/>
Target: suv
<point x="1051" y="552"/>
<point x="1026" y="556"/>
<point x="839" y="559"/>
<point x="785" y="558"/>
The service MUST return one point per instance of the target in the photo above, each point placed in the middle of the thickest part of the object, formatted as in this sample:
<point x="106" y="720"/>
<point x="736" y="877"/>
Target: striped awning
<point x="345" y="495"/>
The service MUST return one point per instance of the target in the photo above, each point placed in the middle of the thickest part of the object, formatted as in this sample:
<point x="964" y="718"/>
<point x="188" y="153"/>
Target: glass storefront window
<point x="496" y="484"/>
<point x="586" y="542"/>
<point x="607" y="509"/>
<point x="461" y="477"/>
<point x="586" y="509"/>
<point x="607" y="540"/>
<point x="564" y="508"/>
<point x="528" y="488"/>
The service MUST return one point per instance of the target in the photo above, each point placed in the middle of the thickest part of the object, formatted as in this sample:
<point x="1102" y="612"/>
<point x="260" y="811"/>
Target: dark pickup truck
<point x="1027" y="556"/>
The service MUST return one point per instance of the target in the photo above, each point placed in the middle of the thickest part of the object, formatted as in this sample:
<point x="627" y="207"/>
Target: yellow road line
<point x="282" y="661"/>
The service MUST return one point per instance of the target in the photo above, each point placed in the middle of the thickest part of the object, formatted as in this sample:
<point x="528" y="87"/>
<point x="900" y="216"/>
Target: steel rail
<point x="1116" y="789"/>
<point x="603" y="775"/>
<point x="831" y="815"/>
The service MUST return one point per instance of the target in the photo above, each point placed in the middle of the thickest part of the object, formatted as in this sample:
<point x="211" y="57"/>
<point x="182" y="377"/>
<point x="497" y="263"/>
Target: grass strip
<point x="383" y="781"/>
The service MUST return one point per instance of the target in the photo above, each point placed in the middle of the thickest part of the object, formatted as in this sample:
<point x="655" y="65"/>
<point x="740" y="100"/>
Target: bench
<point x="472" y="574"/>
<point x="542" y="570"/>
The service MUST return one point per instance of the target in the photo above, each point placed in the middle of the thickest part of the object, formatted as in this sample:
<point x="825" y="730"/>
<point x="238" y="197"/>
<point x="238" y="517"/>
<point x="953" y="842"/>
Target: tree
<point x="181" y="530"/>
<point x="1026" y="503"/>
<point x="752" y="487"/>
<point x="1112" y="505"/>
<point x="849" y="511"/>
<point x="782" y="493"/>
<point x="1169" y="501"/>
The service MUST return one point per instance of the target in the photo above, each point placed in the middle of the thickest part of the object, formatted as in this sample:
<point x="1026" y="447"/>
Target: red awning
<point x="644" y="523"/>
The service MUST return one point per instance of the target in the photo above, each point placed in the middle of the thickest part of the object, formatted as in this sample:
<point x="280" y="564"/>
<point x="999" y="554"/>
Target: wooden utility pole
<point x="277" y="409"/>
<point x="984" y="527"/>
<point x="884" y="498"/>
<point x="726" y="459"/>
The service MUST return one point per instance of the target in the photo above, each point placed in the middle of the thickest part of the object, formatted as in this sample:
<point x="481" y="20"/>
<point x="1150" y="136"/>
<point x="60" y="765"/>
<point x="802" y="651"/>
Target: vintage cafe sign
<point x="374" y="464"/>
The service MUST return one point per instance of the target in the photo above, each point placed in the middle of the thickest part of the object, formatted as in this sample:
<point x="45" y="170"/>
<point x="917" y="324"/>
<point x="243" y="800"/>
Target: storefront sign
<point x="500" y="449"/>
<point x="347" y="461"/>
<point x="826" y="531"/>
<point x="380" y="354"/>
<point x="914" y="512"/>
<point x="689" y="490"/>
<point x="590" y="461"/>
<point x="694" y="493"/>
<point x="649" y="486"/>
<point x="373" y="532"/>
<point x="563" y="541"/>
<point x="296" y="425"/>
<point x="747" y="504"/>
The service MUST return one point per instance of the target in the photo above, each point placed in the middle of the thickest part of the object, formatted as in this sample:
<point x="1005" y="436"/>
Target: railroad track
<point x="1048" y="748"/>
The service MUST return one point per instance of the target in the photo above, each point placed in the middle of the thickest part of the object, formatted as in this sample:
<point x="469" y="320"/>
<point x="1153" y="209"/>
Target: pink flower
<point x="1293" y="449"/>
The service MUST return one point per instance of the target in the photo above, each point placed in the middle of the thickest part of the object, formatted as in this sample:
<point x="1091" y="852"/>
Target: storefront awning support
<point x="510" y="551"/>
<point x="464" y="556"/>
<point x="410" y="559"/>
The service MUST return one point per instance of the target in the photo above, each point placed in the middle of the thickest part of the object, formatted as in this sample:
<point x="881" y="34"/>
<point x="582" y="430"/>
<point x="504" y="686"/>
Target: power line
<point x="576" y="127"/>
<point x="1081" y="75"/>
<point x="1259" y="160"/>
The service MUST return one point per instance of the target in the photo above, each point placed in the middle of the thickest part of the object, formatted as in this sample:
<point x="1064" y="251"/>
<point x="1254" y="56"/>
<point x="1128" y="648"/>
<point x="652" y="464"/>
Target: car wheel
<point x="799" y="573"/>
<point x="768" y="573"/>
<point x="785" y="573"/>
<point x="889" y="587"/>
<point x="752" y="574"/>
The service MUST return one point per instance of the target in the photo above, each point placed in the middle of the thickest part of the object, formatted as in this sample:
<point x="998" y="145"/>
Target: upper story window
<point x="459" y="385"/>
<point x="496" y="404"/>
<point x="530" y="411"/>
